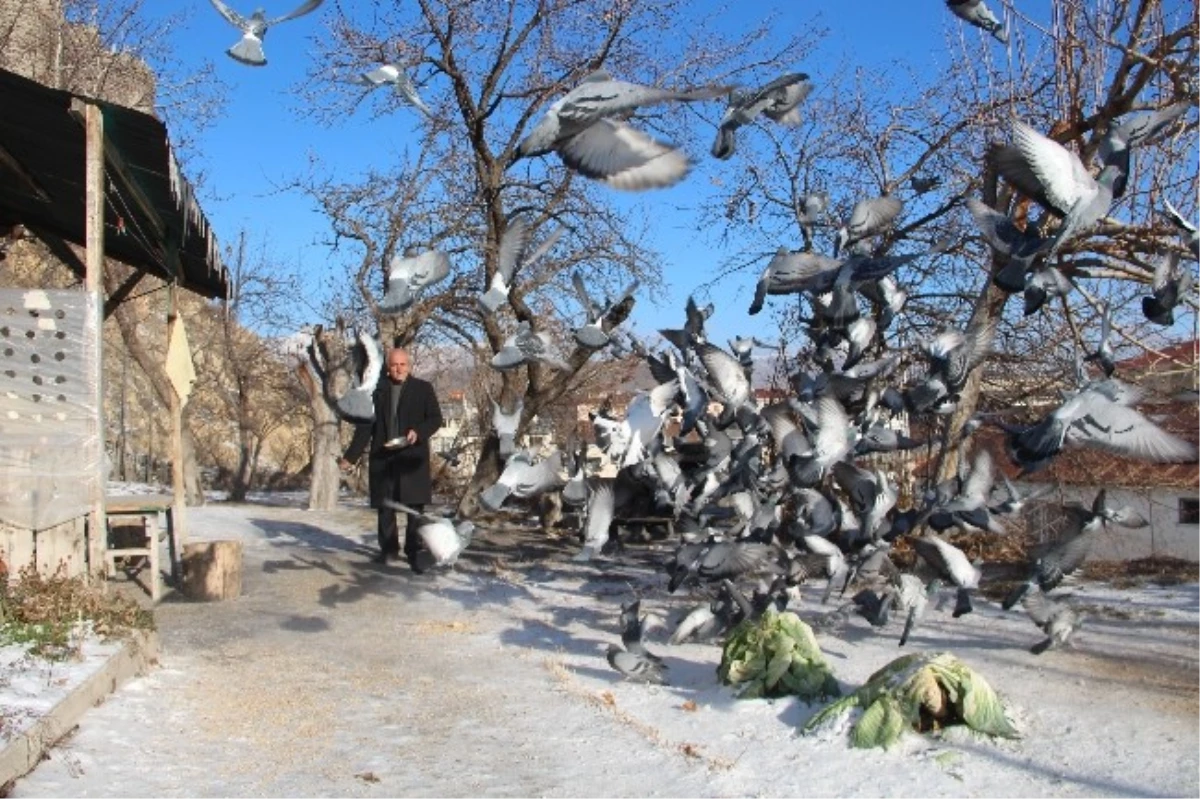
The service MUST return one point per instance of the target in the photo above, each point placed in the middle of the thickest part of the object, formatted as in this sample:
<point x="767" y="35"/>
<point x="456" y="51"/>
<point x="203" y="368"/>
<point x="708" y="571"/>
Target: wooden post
<point x="94" y="245"/>
<point x="178" y="488"/>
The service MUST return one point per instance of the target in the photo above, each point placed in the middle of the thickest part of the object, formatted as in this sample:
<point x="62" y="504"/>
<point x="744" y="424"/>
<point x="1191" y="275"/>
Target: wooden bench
<point x="146" y="509"/>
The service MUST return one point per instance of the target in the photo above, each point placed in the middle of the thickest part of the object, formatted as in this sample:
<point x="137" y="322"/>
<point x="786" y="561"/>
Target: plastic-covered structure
<point x="49" y="422"/>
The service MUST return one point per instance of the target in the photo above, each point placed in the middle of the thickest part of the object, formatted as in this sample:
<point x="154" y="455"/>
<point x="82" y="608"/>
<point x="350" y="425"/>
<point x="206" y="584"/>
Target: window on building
<point x="1189" y="510"/>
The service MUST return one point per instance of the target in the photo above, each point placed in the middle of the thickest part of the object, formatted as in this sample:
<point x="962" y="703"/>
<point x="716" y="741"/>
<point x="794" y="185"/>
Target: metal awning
<point x="152" y="220"/>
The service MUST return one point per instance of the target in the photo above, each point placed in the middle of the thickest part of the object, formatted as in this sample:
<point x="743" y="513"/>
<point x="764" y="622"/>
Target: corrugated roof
<point x="42" y="185"/>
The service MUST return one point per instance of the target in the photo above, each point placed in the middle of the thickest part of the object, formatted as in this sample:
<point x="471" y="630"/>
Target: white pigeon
<point x="505" y="423"/>
<point x="444" y="538"/>
<point x="249" y="49"/>
<point x="952" y="565"/>
<point x="408" y="274"/>
<point x="524" y="477"/>
<point x="584" y="128"/>
<point x="390" y="74"/>
<point x="356" y="404"/>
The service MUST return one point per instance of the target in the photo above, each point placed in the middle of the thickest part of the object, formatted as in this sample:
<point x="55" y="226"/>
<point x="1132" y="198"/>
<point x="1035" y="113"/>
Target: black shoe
<point x="422" y="562"/>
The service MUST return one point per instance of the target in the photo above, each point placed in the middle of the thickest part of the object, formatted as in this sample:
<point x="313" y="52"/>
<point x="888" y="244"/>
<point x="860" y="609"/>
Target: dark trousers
<point x="389" y="534"/>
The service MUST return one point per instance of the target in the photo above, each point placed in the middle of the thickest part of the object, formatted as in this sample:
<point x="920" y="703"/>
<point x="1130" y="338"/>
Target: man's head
<point x="398" y="364"/>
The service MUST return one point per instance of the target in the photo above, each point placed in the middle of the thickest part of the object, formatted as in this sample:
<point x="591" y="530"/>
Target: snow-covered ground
<point x="507" y="691"/>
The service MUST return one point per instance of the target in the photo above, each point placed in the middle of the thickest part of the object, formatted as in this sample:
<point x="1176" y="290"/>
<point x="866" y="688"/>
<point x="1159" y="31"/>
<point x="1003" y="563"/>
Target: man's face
<point x="398" y="365"/>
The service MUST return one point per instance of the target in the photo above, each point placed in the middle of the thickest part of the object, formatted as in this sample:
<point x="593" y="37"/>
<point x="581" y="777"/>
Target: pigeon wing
<point x="1107" y="425"/>
<point x="623" y="157"/>
<point x="232" y="17"/>
<point x="1062" y="175"/>
<point x="306" y="7"/>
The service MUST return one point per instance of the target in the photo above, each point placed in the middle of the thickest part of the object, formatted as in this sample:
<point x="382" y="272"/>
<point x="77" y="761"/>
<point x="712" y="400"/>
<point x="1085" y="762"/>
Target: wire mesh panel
<point x="48" y="427"/>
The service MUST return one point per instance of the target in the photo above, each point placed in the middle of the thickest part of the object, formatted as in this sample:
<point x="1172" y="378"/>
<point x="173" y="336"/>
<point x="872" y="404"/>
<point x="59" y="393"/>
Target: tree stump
<point x="212" y="570"/>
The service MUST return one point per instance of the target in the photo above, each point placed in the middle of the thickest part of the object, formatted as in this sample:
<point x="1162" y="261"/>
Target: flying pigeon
<point x="444" y="538"/>
<point x="978" y="14"/>
<point x="1061" y="558"/>
<point x="585" y="128"/>
<point x="249" y="49"/>
<point x="869" y="218"/>
<point x="408" y="274"/>
<point x="1042" y="284"/>
<point x="505" y="423"/>
<point x="923" y="184"/>
<point x="1190" y="235"/>
<point x="524" y="346"/>
<point x="1018" y="499"/>
<point x="356" y="404"/>
<point x="395" y="76"/>
<point x="524" y="477"/>
<point x="1100" y="416"/>
<point x="601" y="509"/>
<point x="1055" y="618"/>
<point x="810" y="208"/>
<point x="1103" y="354"/>
<point x="950" y="564"/>
<point x="1170" y="285"/>
<point x="1019" y="247"/>
<point x="591" y="333"/>
<point x="1041" y="168"/>
<point x="1134" y="130"/>
<point x="778" y="100"/>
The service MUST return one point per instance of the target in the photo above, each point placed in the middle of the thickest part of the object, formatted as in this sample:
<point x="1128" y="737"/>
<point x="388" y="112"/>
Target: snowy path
<point x="334" y="676"/>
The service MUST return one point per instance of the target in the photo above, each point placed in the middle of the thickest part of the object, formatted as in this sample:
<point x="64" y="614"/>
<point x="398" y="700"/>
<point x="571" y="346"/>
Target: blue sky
<point x="260" y="141"/>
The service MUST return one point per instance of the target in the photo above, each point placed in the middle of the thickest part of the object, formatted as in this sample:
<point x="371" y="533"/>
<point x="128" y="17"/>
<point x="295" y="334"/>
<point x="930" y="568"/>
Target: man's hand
<point x="411" y="436"/>
<point x="345" y="465"/>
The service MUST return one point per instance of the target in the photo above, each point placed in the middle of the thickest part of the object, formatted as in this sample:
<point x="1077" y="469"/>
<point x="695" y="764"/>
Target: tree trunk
<point x="155" y="370"/>
<point x="326" y="478"/>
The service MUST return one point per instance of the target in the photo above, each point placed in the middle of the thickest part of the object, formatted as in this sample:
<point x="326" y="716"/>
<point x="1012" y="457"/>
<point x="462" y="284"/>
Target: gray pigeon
<point x="1134" y="130"/>
<point x="777" y="100"/>
<point x="869" y="218"/>
<point x="408" y="274"/>
<point x="585" y="128"/>
<point x="1020" y="247"/>
<point x="951" y="564"/>
<point x="356" y="404"/>
<point x="524" y="477"/>
<point x="443" y="537"/>
<point x="1055" y="618"/>
<point x="810" y="209"/>
<point x="527" y="345"/>
<point x="390" y="74"/>
<point x="1170" y="285"/>
<point x="591" y="333"/>
<point x="511" y="256"/>
<point x="637" y="667"/>
<point x="1044" y="170"/>
<point x="1099" y="416"/>
<point x="249" y="49"/>
<point x="1017" y="499"/>
<point x="632" y="622"/>
<point x="978" y="14"/>
<point x="1190" y="235"/>
<point x="1042" y="284"/>
<point x="1103" y="354"/>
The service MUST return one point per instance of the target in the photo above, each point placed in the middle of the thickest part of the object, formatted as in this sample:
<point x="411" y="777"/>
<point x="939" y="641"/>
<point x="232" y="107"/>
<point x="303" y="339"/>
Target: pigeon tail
<point x="493" y="498"/>
<point x="962" y="602"/>
<point x="356" y="406"/>
<point x="249" y="52"/>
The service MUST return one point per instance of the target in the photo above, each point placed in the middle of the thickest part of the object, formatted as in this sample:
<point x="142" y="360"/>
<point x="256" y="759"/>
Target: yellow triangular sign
<point x="179" y="362"/>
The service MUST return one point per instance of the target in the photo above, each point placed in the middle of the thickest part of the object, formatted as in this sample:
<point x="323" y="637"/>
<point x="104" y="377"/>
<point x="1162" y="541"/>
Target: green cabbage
<point x="921" y="692"/>
<point x="776" y="655"/>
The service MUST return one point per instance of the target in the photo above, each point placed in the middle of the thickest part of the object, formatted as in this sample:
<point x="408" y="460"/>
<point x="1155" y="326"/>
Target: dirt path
<point x="334" y="676"/>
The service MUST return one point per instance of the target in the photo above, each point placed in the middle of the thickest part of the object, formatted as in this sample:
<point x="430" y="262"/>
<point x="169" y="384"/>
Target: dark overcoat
<point x="402" y="475"/>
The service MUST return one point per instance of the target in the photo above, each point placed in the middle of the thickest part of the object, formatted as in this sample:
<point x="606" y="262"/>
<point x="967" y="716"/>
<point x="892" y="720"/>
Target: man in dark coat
<point x="407" y="415"/>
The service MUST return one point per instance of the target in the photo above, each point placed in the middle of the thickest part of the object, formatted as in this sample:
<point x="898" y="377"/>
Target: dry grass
<point x="44" y="611"/>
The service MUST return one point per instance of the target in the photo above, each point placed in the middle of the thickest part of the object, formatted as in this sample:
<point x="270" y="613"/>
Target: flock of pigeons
<point x="766" y="498"/>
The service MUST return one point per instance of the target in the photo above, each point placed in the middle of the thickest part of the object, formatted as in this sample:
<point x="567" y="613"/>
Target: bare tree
<point x="488" y="71"/>
<point x="1070" y="76"/>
